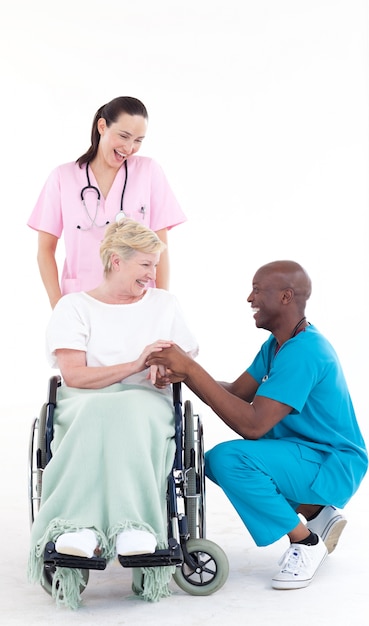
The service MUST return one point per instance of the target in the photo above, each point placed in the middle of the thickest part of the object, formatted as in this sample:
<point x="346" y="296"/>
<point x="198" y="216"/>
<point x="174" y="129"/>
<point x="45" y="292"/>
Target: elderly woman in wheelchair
<point x="104" y="491"/>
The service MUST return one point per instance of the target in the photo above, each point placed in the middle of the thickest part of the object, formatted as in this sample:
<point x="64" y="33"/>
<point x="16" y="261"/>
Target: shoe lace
<point x="294" y="559"/>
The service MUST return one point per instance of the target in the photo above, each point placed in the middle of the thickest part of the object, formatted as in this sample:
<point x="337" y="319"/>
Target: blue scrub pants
<point x="265" y="480"/>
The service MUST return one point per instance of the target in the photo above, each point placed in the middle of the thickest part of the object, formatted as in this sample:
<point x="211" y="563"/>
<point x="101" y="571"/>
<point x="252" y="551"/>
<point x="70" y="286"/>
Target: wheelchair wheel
<point x="32" y="472"/>
<point x="41" y="439"/>
<point x="37" y="462"/>
<point x="49" y="572"/>
<point x="208" y="570"/>
<point x="194" y="459"/>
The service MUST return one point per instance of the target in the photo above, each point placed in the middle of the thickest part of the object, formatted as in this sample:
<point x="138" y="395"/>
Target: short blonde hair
<point x="125" y="238"/>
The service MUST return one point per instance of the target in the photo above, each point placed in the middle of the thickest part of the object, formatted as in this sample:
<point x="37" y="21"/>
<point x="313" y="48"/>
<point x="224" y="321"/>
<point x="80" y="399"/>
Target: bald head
<point x="287" y="275"/>
<point x="279" y="294"/>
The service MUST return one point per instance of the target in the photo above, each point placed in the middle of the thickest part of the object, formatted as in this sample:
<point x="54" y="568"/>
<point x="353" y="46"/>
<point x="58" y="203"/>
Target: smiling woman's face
<point x="121" y="139"/>
<point x="136" y="272"/>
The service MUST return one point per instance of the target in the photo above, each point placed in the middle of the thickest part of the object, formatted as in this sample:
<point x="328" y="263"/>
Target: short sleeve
<point x="67" y="328"/>
<point x="47" y="213"/>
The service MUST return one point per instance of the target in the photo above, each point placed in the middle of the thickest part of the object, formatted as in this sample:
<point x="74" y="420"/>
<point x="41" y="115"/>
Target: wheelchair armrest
<point x="54" y="383"/>
<point x="177" y="393"/>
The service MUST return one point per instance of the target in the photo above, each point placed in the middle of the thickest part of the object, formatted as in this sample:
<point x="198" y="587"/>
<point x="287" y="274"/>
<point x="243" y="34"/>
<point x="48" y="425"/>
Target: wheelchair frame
<point x="201" y="565"/>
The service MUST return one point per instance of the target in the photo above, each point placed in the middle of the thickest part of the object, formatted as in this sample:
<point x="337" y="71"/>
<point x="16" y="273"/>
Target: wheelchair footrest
<point x="160" y="558"/>
<point x="55" y="559"/>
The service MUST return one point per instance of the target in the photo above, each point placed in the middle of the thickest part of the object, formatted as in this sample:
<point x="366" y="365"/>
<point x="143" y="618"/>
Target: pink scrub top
<point x="148" y="198"/>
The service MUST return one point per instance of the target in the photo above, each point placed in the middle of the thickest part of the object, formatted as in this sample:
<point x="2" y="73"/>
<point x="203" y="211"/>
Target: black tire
<point x="201" y="508"/>
<point x="194" y="459"/>
<point x="208" y="572"/>
<point x="47" y="583"/>
<point x="189" y="451"/>
<point x="32" y="472"/>
<point x="41" y="440"/>
<point x="37" y="462"/>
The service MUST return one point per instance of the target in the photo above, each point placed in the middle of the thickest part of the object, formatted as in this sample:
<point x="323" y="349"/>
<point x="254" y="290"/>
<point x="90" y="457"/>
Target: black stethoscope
<point x="119" y="216"/>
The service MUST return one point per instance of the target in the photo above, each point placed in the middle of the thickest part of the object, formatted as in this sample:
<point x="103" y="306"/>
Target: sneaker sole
<point x="332" y="533"/>
<point x="288" y="586"/>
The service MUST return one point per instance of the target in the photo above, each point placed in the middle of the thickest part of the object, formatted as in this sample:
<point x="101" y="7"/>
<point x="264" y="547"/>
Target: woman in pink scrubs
<point x="109" y="181"/>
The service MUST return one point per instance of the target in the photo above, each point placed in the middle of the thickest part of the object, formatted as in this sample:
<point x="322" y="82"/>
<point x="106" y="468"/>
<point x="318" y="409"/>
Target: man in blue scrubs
<point x="300" y="449"/>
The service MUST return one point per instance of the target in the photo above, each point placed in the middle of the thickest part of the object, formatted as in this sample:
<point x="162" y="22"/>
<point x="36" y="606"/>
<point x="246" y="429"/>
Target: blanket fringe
<point x="149" y="583"/>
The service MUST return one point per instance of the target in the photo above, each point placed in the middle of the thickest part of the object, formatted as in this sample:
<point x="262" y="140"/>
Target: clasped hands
<point x="167" y="363"/>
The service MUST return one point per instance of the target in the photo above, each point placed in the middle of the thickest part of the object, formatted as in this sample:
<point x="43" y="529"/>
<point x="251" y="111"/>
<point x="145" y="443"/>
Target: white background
<point x="259" y="117"/>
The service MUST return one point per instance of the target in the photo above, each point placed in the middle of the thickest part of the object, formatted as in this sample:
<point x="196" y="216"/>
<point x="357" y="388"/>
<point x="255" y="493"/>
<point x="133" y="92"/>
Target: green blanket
<point x="113" y="449"/>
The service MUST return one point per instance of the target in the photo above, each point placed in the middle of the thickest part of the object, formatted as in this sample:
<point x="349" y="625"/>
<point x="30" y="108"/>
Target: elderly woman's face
<point x="136" y="272"/>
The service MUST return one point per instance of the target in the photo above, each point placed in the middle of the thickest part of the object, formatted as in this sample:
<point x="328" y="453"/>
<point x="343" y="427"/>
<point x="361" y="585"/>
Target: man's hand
<point x="173" y="364"/>
<point x="140" y="363"/>
<point x="161" y="377"/>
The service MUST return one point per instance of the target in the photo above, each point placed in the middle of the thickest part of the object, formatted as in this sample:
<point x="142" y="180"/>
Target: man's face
<point x="266" y="299"/>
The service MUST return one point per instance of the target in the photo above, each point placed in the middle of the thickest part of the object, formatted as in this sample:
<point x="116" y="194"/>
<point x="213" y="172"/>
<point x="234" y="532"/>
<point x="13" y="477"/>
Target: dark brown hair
<point x="110" y="112"/>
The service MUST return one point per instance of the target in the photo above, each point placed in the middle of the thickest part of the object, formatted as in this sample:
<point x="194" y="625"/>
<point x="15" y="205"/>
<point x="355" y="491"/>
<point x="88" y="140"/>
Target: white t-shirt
<point x="116" y="333"/>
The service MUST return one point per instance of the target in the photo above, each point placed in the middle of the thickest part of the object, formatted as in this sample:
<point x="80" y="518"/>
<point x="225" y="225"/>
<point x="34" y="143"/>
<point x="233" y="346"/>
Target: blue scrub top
<point x="306" y="375"/>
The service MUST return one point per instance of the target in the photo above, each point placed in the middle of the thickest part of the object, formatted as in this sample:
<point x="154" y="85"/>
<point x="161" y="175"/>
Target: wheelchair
<point x="201" y="566"/>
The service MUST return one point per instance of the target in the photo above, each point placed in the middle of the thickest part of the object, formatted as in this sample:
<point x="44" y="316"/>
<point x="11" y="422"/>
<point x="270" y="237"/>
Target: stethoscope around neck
<point x="92" y="219"/>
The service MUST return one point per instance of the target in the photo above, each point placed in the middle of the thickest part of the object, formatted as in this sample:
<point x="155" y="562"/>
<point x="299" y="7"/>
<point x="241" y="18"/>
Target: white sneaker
<point x="299" y="565"/>
<point x="134" y="541"/>
<point x="80" y="543"/>
<point x="329" y="525"/>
